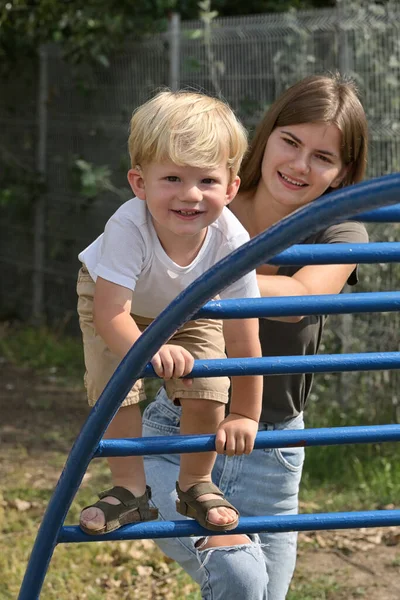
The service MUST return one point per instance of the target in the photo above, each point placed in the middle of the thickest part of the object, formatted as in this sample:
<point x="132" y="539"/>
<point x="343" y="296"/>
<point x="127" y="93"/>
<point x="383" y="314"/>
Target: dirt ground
<point x="38" y="412"/>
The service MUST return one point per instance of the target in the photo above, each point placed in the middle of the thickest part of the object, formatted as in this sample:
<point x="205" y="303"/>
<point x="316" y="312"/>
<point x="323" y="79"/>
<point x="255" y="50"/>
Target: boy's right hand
<point x="172" y="362"/>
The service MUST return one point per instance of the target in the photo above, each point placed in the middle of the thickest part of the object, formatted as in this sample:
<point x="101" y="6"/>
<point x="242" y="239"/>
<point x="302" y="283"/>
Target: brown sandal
<point x="188" y="505"/>
<point x="131" y="509"/>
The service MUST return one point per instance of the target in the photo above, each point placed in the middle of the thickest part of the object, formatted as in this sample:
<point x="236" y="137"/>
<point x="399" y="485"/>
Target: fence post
<point x="344" y="58"/>
<point x="174" y="33"/>
<point x="39" y="219"/>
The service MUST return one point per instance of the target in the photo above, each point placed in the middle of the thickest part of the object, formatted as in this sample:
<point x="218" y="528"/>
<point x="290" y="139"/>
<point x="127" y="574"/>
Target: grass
<point x="319" y="588"/>
<point x="117" y="569"/>
<point x="351" y="476"/>
<point x="42" y="349"/>
<point x="37" y="432"/>
<point x="42" y="416"/>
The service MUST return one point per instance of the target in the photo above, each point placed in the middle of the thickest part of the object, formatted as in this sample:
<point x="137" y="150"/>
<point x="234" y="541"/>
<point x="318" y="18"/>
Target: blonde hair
<point x="329" y="99"/>
<point x="188" y="128"/>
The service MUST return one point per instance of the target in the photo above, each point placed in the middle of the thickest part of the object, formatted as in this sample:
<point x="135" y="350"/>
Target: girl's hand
<point x="172" y="362"/>
<point x="236" y="435"/>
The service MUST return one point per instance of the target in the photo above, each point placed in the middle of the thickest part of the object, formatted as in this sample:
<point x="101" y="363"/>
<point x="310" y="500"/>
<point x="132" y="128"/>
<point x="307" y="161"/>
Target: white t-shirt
<point x="130" y="254"/>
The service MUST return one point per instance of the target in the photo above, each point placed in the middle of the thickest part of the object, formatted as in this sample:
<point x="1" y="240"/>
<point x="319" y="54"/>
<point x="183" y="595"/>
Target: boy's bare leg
<point x="202" y="416"/>
<point x="128" y="471"/>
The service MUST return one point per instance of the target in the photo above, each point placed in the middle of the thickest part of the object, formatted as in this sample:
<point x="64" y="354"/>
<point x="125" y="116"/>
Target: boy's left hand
<point x="236" y="435"/>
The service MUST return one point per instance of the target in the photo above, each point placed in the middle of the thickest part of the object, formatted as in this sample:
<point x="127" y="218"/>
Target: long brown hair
<point x="318" y="98"/>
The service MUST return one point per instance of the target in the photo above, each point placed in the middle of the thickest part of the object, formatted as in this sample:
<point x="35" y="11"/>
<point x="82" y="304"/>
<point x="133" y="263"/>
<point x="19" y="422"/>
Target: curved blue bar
<point x="276" y="365"/>
<point x="324" y="436"/>
<point x="331" y="208"/>
<point x="387" y="214"/>
<point x="279" y="523"/>
<point x="325" y="254"/>
<point x="289" y="306"/>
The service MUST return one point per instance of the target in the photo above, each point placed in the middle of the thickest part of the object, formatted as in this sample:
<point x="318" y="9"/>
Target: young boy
<point x="185" y="150"/>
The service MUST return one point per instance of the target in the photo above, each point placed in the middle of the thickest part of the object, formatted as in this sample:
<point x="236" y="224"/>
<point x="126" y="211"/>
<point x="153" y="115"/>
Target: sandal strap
<point x="112" y="512"/>
<point x="216" y="503"/>
<point x="131" y="509"/>
<point x="126" y="497"/>
<point x="202" y="508"/>
<point x="198" y="490"/>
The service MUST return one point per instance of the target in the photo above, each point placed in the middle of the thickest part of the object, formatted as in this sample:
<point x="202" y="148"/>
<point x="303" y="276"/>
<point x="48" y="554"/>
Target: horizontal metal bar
<point x="289" y="438"/>
<point x="386" y="214"/>
<point x="328" y="304"/>
<point x="301" y="254"/>
<point x="279" y="524"/>
<point x="324" y="254"/>
<point x="276" y="365"/>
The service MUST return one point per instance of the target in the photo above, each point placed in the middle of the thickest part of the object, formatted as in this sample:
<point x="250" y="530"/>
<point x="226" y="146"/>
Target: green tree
<point x="225" y="8"/>
<point x="89" y="30"/>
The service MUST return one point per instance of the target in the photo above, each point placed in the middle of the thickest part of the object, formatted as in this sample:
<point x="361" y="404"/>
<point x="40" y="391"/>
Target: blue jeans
<point x="266" y="482"/>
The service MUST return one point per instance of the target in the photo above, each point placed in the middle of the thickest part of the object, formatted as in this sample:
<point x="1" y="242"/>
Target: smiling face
<point x="300" y="163"/>
<point x="182" y="200"/>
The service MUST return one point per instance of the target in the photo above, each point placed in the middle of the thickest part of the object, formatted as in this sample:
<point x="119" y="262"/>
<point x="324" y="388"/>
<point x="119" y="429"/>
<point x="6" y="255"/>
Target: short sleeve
<point x="122" y="253"/>
<point x="349" y="232"/>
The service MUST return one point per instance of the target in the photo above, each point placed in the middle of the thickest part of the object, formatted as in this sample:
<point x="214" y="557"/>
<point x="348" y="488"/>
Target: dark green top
<point x="285" y="396"/>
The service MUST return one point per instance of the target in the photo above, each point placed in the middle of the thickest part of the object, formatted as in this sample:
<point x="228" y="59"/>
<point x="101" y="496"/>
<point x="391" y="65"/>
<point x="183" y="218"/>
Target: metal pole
<point x="277" y="523"/>
<point x="39" y="219"/>
<point x="289" y="438"/>
<point x="174" y="33"/>
<point x="345" y="60"/>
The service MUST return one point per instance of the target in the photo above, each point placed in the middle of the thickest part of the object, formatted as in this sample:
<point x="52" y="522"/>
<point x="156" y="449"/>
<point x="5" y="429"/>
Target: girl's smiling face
<point x="300" y="163"/>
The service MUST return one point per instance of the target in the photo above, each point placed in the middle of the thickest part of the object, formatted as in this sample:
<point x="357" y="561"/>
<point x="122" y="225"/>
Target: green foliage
<point x="319" y="588"/>
<point x="90" y="180"/>
<point x="225" y="8"/>
<point x="87" y="31"/>
<point x="42" y="349"/>
<point x="20" y="185"/>
<point x="93" y="178"/>
<point x="214" y="67"/>
<point x="93" y="30"/>
<point x="19" y="189"/>
<point x="360" y="476"/>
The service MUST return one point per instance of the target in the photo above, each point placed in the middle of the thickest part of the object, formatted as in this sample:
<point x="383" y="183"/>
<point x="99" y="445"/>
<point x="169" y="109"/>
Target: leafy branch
<point x="91" y="180"/>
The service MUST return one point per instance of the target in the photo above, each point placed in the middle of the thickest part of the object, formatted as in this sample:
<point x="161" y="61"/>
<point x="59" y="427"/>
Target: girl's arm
<point x="309" y="280"/>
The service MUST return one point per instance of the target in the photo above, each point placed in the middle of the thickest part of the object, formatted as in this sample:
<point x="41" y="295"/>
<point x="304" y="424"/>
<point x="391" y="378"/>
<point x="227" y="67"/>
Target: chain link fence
<point x="69" y="124"/>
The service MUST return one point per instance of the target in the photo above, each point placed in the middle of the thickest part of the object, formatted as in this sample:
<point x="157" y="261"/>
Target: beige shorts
<point x="203" y="338"/>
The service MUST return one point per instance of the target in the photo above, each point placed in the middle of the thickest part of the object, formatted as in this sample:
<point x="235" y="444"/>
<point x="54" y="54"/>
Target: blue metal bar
<point x="331" y="208"/>
<point x="179" y="444"/>
<point x="328" y="304"/>
<point x="326" y="254"/>
<point x="279" y="524"/>
<point x="387" y="214"/>
<point x="276" y="365"/>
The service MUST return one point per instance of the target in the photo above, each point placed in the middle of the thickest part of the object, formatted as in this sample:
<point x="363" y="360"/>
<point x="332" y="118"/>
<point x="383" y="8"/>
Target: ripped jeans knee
<point x="204" y="552"/>
<point x="239" y="567"/>
<point x="250" y="543"/>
